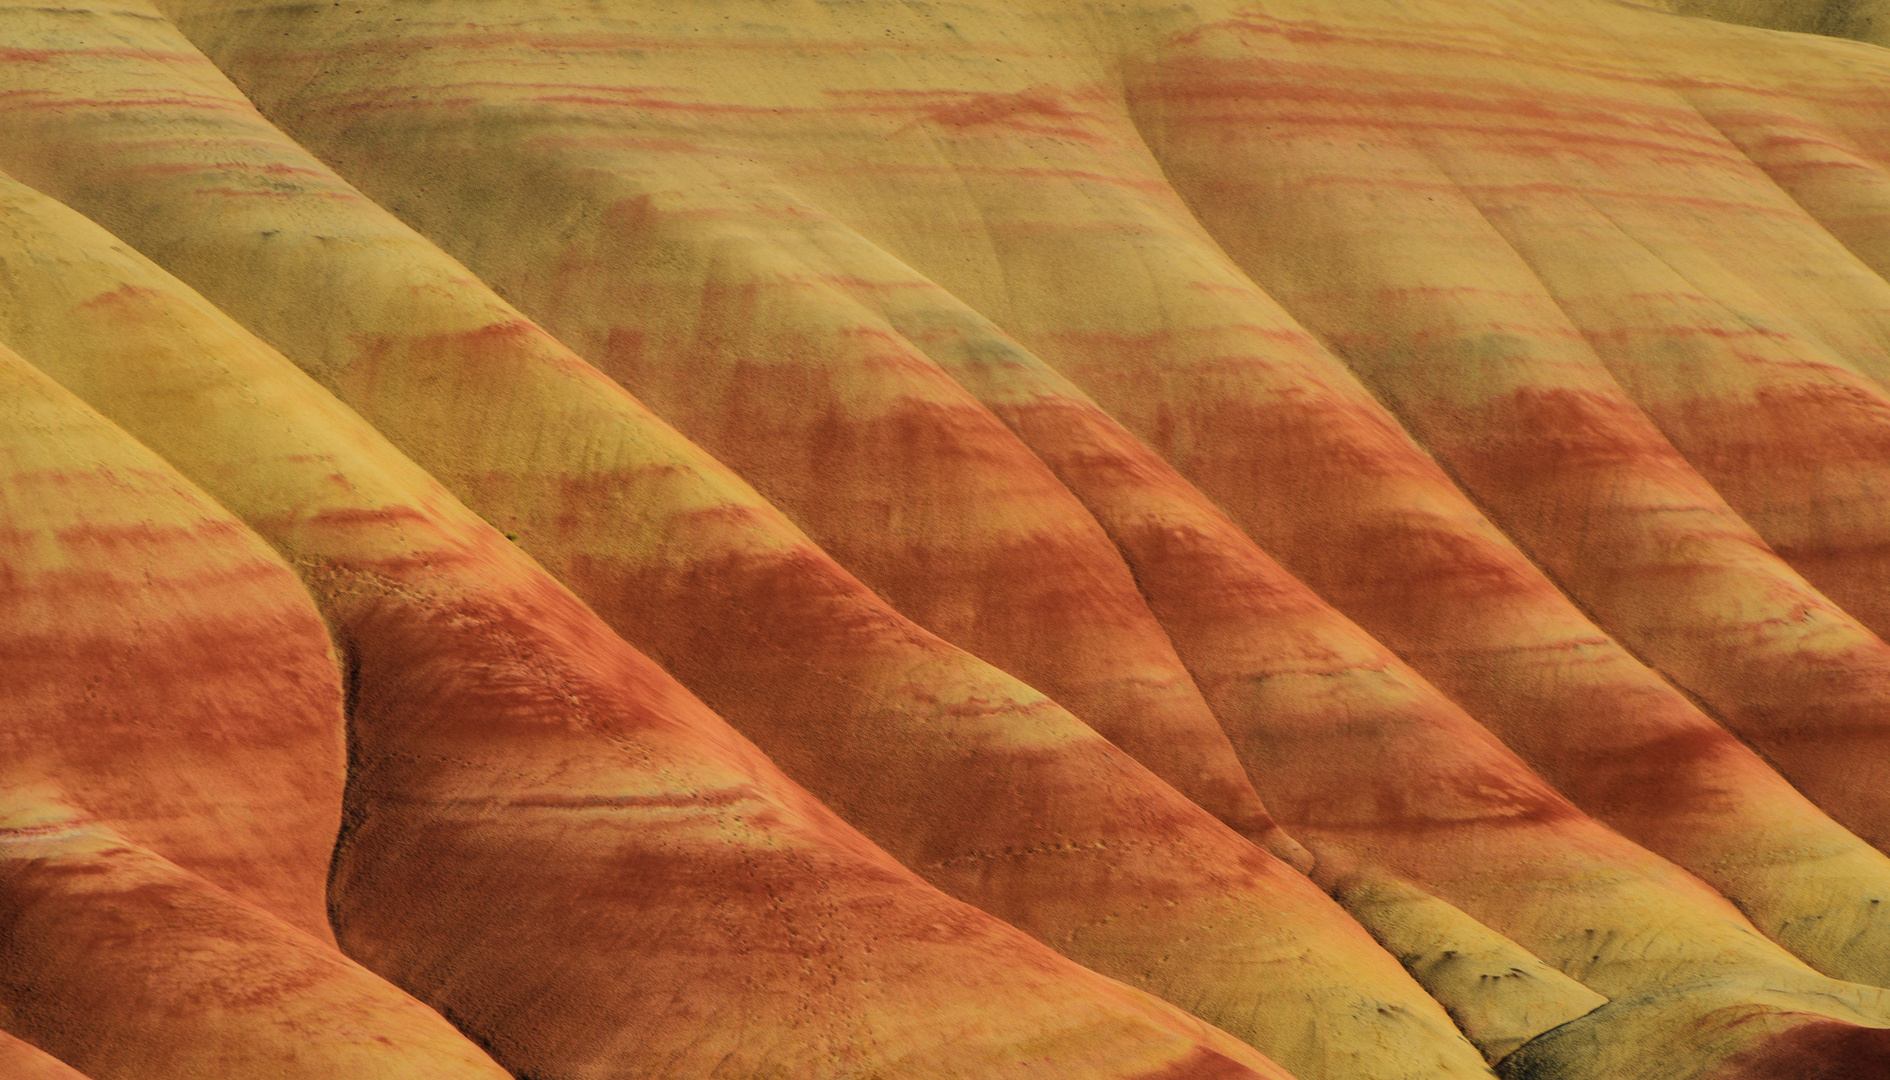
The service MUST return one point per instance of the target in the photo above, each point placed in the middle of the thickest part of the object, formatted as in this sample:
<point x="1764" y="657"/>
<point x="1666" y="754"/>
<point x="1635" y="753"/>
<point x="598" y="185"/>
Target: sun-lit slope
<point x="930" y="500"/>
<point x="1470" y="300"/>
<point x="607" y="269"/>
<point x="1586" y="716"/>
<point x="1368" y="760"/>
<point x="1047" y="825"/>
<point x="691" y="204"/>
<point x="1865" y="20"/>
<point x="162" y="663"/>
<point x="132" y="948"/>
<point x="802" y="280"/>
<point x="1821" y="132"/>
<point x="548" y="838"/>
<point x="24" y="1061"/>
<point x="844" y="423"/>
<point x="134" y="969"/>
<point x="1815" y="117"/>
<point x="601" y="160"/>
<point x="680" y="226"/>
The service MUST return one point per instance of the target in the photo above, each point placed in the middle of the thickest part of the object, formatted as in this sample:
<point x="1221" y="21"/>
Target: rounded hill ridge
<point x="739" y="540"/>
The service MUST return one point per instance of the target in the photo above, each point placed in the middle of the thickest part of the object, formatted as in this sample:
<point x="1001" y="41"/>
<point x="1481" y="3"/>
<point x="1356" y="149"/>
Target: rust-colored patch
<point x="1819" y="1050"/>
<point x="1022" y="111"/>
<point x="1200" y="1064"/>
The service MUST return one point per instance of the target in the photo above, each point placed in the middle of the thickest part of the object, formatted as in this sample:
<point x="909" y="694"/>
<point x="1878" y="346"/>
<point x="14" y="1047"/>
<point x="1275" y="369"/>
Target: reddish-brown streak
<point x="1818" y="1050"/>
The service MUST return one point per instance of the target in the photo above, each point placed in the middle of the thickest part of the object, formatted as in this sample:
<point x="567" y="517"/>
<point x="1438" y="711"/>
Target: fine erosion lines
<point x="1337" y="539"/>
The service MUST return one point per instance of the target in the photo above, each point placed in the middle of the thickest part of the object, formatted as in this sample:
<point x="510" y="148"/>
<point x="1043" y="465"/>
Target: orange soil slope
<point x="652" y="253"/>
<point x="164" y="664"/>
<point x="1564" y="264"/>
<point x="887" y="464"/>
<point x="547" y="837"/>
<point x="1049" y="827"/>
<point x="601" y="160"/>
<point x="1486" y="351"/>
<point x="23" y="1061"/>
<point x="956" y="504"/>
<point x="134" y="734"/>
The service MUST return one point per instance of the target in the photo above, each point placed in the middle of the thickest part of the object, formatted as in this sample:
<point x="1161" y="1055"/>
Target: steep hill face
<point x="163" y="664"/>
<point x="155" y="789"/>
<point x="1526" y="331"/>
<point x="533" y="805"/>
<point x="1051" y="828"/>
<point x="1043" y="435"/>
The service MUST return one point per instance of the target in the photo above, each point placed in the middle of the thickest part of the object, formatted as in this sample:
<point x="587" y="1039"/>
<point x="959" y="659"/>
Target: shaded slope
<point x="118" y="960"/>
<point x="1050" y="827"/>
<point x="548" y="838"/>
<point x="1865" y="20"/>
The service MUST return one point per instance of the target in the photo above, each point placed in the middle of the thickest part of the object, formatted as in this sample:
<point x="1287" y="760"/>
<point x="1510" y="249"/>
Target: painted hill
<point x="1043" y="434"/>
<point x="173" y="742"/>
<point x="504" y="740"/>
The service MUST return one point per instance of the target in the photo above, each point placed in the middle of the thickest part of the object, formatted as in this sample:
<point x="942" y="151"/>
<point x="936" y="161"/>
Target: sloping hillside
<point x="648" y="534"/>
